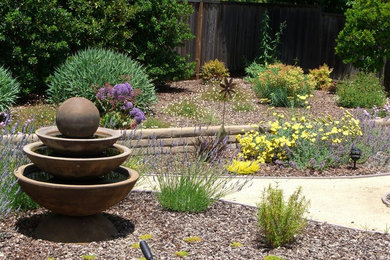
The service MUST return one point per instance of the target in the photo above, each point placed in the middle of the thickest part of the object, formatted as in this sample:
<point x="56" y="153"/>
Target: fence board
<point x="231" y="33"/>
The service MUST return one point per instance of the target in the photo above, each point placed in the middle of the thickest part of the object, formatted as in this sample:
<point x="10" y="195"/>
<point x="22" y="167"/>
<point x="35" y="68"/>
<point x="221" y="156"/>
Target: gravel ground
<point x="221" y="225"/>
<point x="322" y="103"/>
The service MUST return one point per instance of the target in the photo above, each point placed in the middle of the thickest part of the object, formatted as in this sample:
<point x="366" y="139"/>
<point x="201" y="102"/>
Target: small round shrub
<point x="214" y="71"/>
<point x="9" y="89"/>
<point x="283" y="85"/>
<point x="361" y="90"/>
<point x="86" y="71"/>
<point x="322" y="78"/>
<point x="279" y="220"/>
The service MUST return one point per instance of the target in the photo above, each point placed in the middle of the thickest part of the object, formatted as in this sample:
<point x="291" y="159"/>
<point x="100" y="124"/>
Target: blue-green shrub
<point x="83" y="72"/>
<point x="9" y="89"/>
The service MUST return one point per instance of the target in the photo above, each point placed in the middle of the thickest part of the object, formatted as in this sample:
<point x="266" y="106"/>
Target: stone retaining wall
<point x="161" y="140"/>
<point x="172" y="140"/>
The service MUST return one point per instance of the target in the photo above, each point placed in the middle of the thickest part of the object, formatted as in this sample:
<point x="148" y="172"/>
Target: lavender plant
<point x="374" y="136"/>
<point x="11" y="143"/>
<point x="115" y="104"/>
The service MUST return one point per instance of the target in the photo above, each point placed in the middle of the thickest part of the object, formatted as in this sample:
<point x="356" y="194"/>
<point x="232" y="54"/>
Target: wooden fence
<point x="231" y="33"/>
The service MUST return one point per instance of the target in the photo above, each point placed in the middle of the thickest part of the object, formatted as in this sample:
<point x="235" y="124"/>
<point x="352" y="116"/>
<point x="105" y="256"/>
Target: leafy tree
<point x="35" y="36"/>
<point x="38" y="35"/>
<point x="159" y="27"/>
<point x="365" y="40"/>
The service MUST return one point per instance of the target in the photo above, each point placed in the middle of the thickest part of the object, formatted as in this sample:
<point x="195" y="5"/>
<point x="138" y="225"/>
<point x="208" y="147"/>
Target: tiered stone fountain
<point x="76" y="174"/>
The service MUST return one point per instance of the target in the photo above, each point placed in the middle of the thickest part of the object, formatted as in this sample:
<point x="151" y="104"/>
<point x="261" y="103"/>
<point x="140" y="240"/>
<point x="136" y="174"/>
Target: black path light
<point x="146" y="250"/>
<point x="356" y="153"/>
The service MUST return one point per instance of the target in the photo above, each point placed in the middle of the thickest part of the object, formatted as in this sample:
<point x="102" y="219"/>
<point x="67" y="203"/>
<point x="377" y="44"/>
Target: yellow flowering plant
<point x="307" y="143"/>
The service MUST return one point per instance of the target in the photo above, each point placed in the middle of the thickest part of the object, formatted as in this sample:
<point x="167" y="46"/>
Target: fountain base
<point x="66" y="229"/>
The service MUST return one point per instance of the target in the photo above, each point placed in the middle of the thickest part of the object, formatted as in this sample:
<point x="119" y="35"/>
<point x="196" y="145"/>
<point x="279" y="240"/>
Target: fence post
<point x="198" y="40"/>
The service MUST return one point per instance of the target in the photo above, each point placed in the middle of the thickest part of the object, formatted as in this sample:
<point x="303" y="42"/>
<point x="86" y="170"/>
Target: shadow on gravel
<point x="27" y="225"/>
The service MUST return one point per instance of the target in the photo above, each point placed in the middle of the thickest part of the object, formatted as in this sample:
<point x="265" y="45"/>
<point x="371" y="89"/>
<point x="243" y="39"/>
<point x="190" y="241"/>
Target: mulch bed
<point x="221" y="225"/>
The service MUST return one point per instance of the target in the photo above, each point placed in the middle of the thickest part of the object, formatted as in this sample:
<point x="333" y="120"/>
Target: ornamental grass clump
<point x="116" y="106"/>
<point x="279" y="220"/>
<point x="188" y="185"/>
<point x="283" y="84"/>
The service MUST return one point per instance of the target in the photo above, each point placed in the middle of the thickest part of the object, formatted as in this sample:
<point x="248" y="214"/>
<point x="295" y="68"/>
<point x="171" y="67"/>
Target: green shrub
<point x="278" y="220"/>
<point x="283" y="85"/>
<point x="82" y="72"/>
<point x="361" y="90"/>
<point x="9" y="90"/>
<point x="160" y="26"/>
<point x="322" y="78"/>
<point x="214" y="71"/>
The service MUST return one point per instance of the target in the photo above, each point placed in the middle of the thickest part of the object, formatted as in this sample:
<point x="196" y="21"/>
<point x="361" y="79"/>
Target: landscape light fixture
<point x="146" y="250"/>
<point x="356" y="153"/>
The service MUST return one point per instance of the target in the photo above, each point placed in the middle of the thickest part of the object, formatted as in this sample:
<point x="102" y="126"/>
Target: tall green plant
<point x="269" y="46"/>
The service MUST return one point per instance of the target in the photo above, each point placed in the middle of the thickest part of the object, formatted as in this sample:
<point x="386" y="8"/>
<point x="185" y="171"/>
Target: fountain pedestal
<point x="69" y="229"/>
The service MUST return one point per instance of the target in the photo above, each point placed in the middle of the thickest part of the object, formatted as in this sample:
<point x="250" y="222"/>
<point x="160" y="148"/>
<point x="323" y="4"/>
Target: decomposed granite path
<point x="351" y="202"/>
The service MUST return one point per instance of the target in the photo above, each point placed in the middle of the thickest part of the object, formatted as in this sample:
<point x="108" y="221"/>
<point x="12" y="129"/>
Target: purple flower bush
<point x="116" y="105"/>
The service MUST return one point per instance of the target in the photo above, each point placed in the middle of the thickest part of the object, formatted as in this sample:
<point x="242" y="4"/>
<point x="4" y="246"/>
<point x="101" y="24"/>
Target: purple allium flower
<point x="123" y="91"/>
<point x="138" y="115"/>
<point x="127" y="106"/>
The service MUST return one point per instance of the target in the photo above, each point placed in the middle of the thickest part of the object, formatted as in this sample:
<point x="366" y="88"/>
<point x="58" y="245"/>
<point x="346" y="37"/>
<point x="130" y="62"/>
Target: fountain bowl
<point x="75" y="200"/>
<point x="75" y="167"/>
<point x="51" y="137"/>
